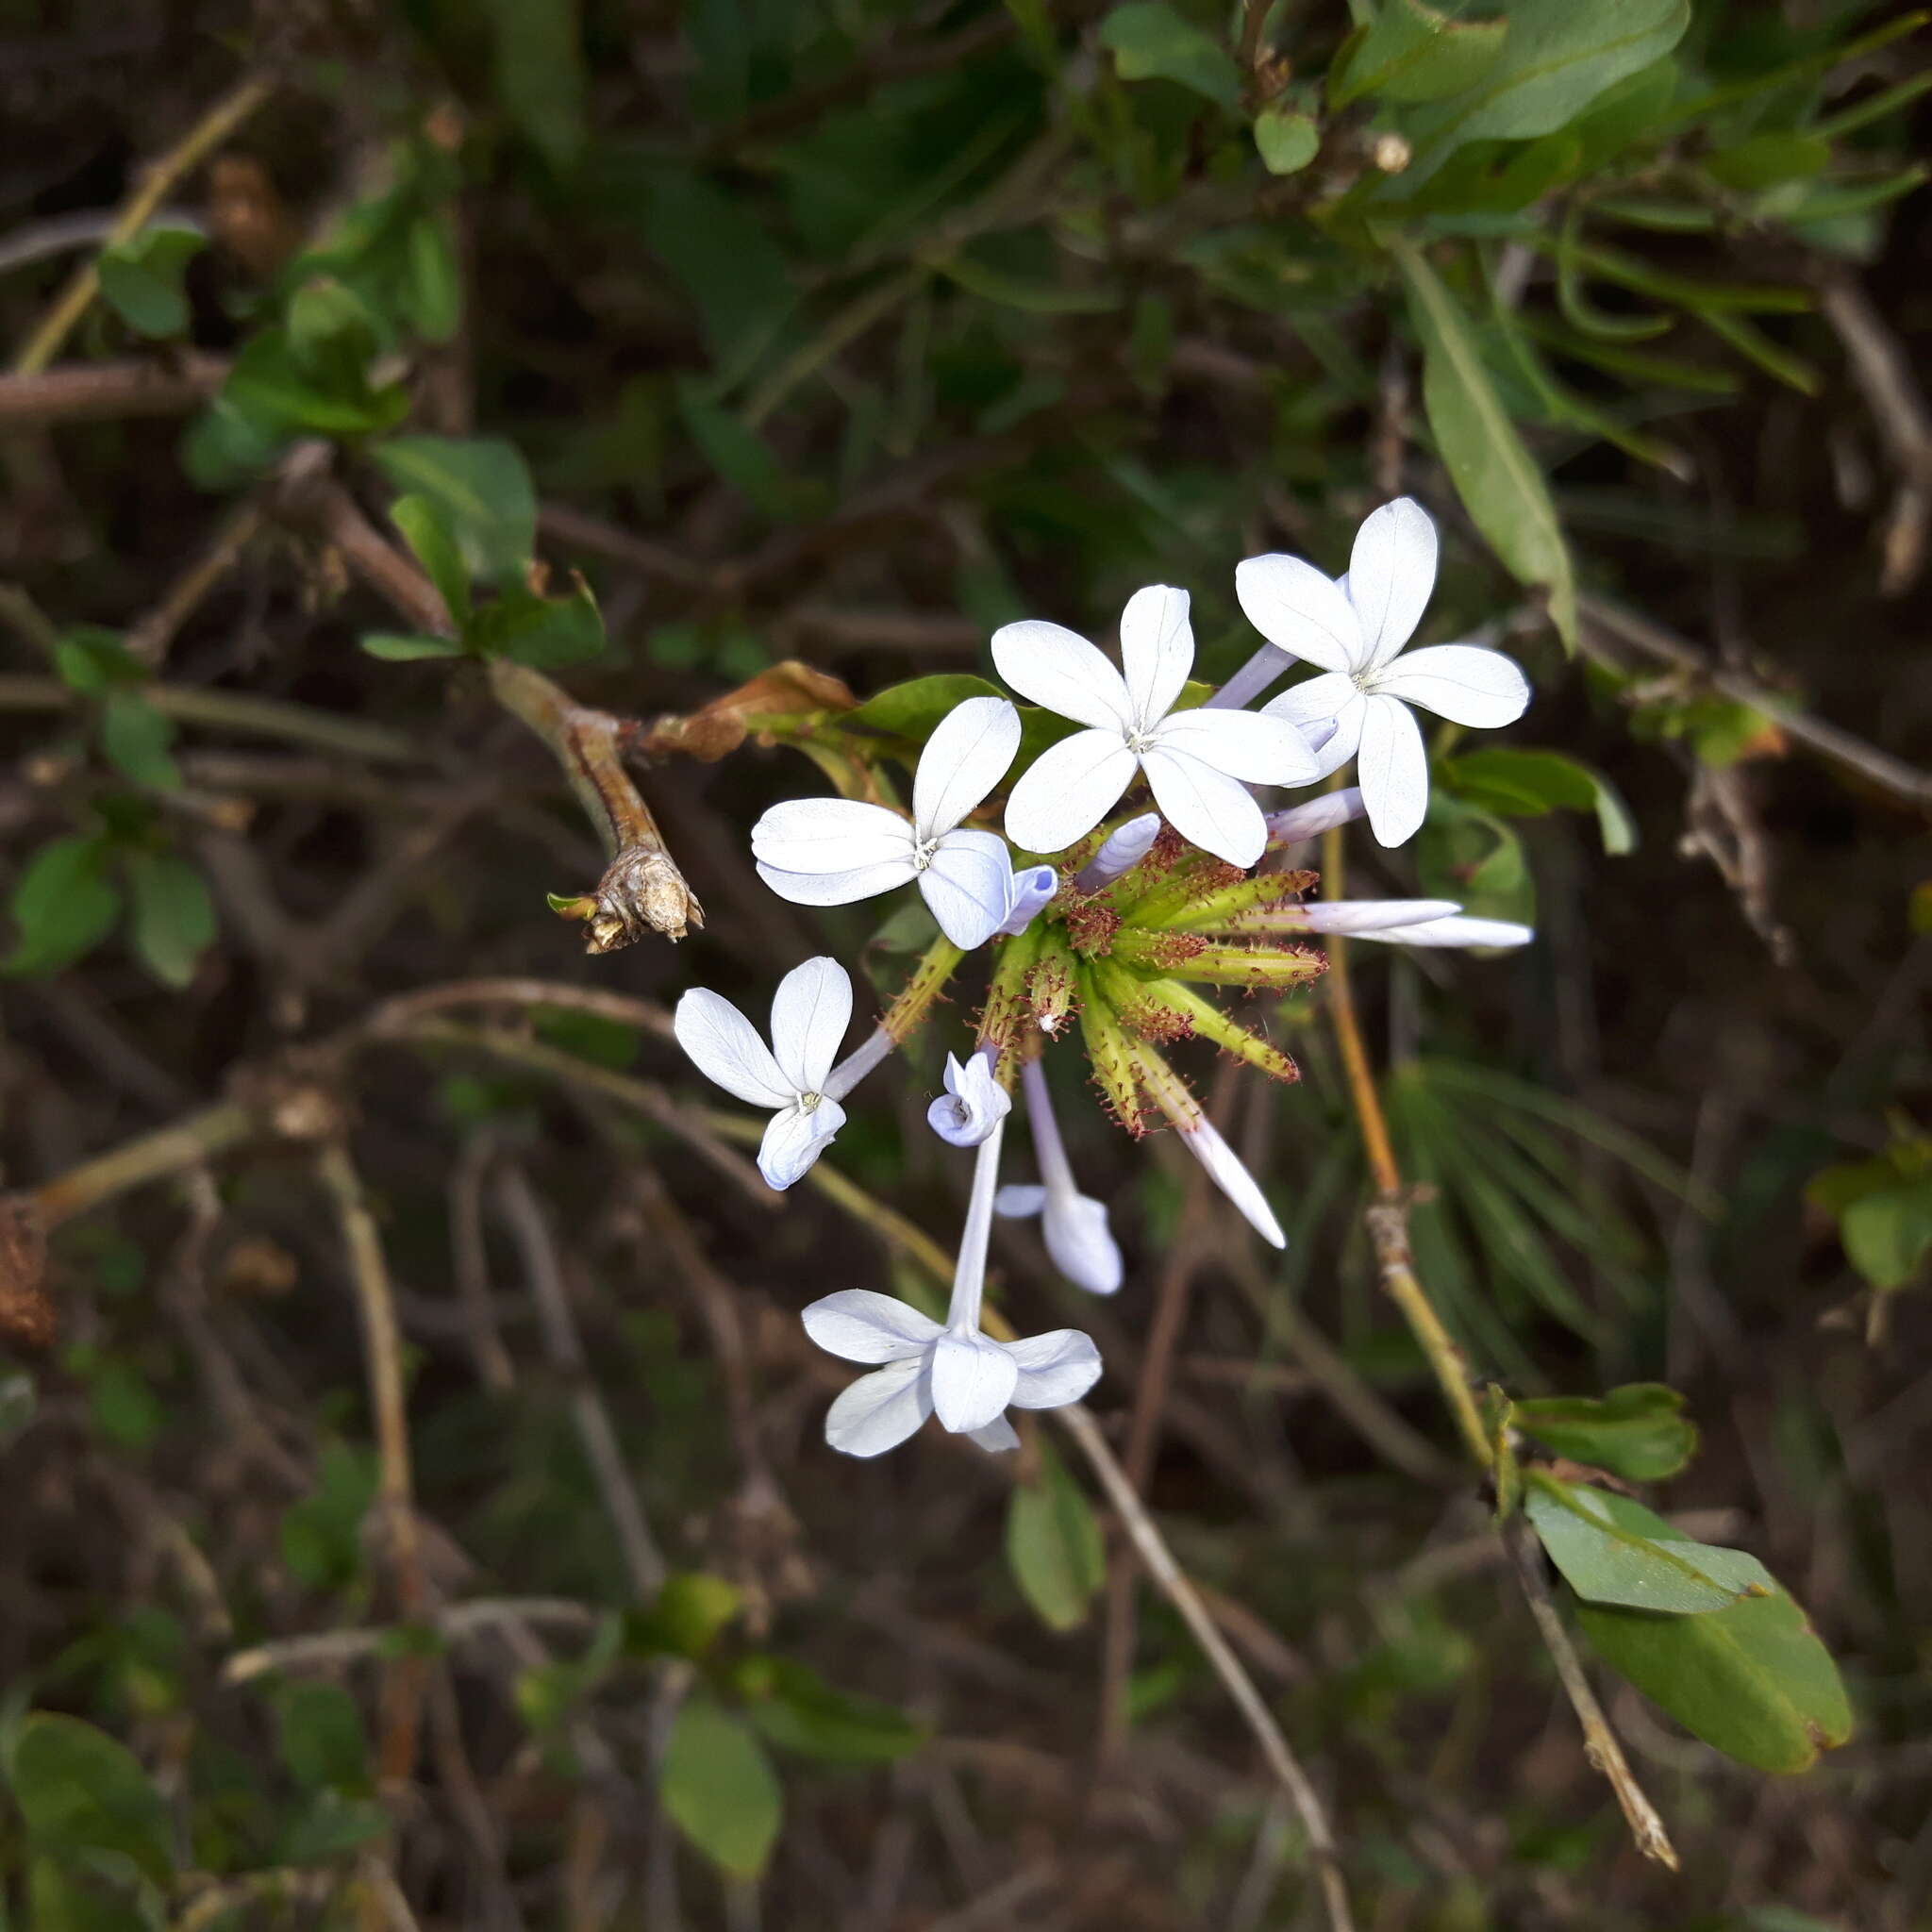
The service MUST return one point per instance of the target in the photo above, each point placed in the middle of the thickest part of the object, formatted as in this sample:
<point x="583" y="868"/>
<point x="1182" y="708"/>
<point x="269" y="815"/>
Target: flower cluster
<point x="1105" y="929"/>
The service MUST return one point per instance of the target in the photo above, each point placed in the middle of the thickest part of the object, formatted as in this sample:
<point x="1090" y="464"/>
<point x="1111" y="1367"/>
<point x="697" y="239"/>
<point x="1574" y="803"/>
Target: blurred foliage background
<point x="416" y="1506"/>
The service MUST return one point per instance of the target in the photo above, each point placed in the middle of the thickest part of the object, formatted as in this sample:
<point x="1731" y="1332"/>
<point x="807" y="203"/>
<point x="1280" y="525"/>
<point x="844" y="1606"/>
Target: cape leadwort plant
<point x="1108" y="932"/>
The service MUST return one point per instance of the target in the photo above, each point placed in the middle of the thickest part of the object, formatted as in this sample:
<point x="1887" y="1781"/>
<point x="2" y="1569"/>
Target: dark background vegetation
<point x="844" y="332"/>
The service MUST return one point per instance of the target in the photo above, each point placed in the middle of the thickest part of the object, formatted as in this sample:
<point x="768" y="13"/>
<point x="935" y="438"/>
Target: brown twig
<point x="470" y="1262"/>
<point x="148" y="639"/>
<point x="400" y="1012"/>
<point x="109" y="392"/>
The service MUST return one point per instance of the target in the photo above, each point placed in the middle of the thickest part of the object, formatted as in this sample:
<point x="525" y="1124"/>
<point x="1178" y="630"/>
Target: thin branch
<point x="148" y="639"/>
<point x="454" y="1624"/>
<point x="399" y="1013"/>
<point x="181" y="1145"/>
<point x="110" y="391"/>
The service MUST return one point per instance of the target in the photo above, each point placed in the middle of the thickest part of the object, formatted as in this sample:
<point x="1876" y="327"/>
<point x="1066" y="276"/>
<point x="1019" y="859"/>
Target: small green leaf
<point x="1752" y="1680"/>
<point x="174" y="918"/>
<point x="548" y="633"/>
<point x="1494" y="474"/>
<point x="541" y="77"/>
<point x="481" y="486"/>
<point x="320" y="1736"/>
<point x="329" y="1825"/>
<point x="1613" y="1551"/>
<point x="396" y="648"/>
<point x="742" y="457"/>
<point x="1527" y="784"/>
<point x="1638" y="1432"/>
<point x="63" y="905"/>
<point x="432" y="297"/>
<point x="1053" y="1546"/>
<point x="1888" y="1233"/>
<point x="720" y="1788"/>
<point x="1288" y="138"/>
<point x="796" y="1709"/>
<point x="1149" y="41"/>
<point x="93" y="661"/>
<point x="80" y="1791"/>
<point x="1763" y="160"/>
<point x="135" y="738"/>
<point x="912" y="710"/>
<point x="692" y="1611"/>
<point x="425" y="528"/>
<point x="1416" y="51"/>
<point x="141" y="279"/>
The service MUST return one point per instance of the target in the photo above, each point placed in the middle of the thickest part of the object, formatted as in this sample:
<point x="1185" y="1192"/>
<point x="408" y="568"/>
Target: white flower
<point x="1072" y="1224"/>
<point x="972" y="1105"/>
<point x="951" y="1369"/>
<point x="1198" y="763"/>
<point x="1354" y="630"/>
<point x="810" y="1014"/>
<point x="1031" y="888"/>
<point x="831" y="851"/>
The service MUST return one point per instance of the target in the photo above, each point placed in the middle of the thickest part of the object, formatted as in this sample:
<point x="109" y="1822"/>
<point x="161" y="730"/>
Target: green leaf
<point x="1638" y="1432"/>
<point x="540" y="74"/>
<point x="80" y="1791"/>
<point x="1149" y="41"/>
<point x="328" y="1826"/>
<point x="321" y="1534"/>
<point x="1416" y="51"/>
<point x="548" y="633"/>
<point x="425" y="528"/>
<point x="980" y="277"/>
<point x="912" y="710"/>
<point x="796" y="1709"/>
<point x="135" y="738"/>
<point x="141" y="279"/>
<point x="397" y="648"/>
<point x="720" y="1788"/>
<point x="432" y="294"/>
<point x="730" y="268"/>
<point x="273" y="394"/>
<point x="483" y="489"/>
<point x="1752" y="1679"/>
<point x="689" y="1613"/>
<point x="320" y="1736"/>
<point x="73" y="1898"/>
<point x="1888" y="1233"/>
<point x="93" y="661"/>
<point x="1557" y="59"/>
<point x="1498" y="482"/>
<point x="1053" y="1546"/>
<point x="1762" y="160"/>
<point x="1613" y="1551"/>
<point x="174" y="918"/>
<point x="1288" y="138"/>
<point x="63" y="905"/>
<point x="741" y="457"/>
<point x="1527" y="784"/>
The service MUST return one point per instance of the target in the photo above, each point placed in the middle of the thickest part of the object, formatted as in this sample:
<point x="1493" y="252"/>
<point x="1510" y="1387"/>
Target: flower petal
<point x="1015" y="1202"/>
<point x="964" y="759"/>
<point x="1253" y="747"/>
<point x="880" y="1410"/>
<point x="811" y="1011"/>
<point x="1293" y="605"/>
<point x="1226" y="1171"/>
<point x="1391" y="573"/>
<point x="1392" y="769"/>
<point x="1205" y="806"/>
<point x="1029" y="890"/>
<point x="725" y="1047"/>
<point x="1458" y="929"/>
<point x="1157" y="651"/>
<point x="972" y="1105"/>
<point x="825" y="835"/>
<point x="1059" y="668"/>
<point x="861" y="1326"/>
<point x="998" y="1436"/>
<point x="839" y="887"/>
<point x="1068" y="789"/>
<point x="972" y="1380"/>
<point x="1055" y="1368"/>
<point x="1368" y="917"/>
<point x="968" y="887"/>
<point x="1463" y="683"/>
<point x="1081" y="1243"/>
<point x="794" y="1140"/>
<point x="1333" y="699"/>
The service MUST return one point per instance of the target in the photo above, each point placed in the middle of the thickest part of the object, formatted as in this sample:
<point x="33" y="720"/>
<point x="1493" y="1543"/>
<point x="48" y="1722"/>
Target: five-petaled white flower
<point x="810" y="1014"/>
<point x="1354" y="628"/>
<point x="831" y="851"/>
<point x="949" y="1369"/>
<point x="1198" y="763"/>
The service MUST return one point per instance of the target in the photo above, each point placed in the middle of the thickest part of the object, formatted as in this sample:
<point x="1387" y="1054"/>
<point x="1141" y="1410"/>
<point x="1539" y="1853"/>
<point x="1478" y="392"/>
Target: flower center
<point x="808" y="1102"/>
<point x="1140" y="741"/>
<point x="921" y="854"/>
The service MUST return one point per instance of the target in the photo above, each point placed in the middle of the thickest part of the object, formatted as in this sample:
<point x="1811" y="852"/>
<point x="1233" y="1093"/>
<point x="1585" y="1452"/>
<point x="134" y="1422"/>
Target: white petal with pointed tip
<point x="1156" y="650"/>
<point x="1059" y="668"/>
<point x="725" y="1047"/>
<point x="1458" y="930"/>
<point x="839" y="887"/>
<point x="1068" y="789"/>
<point x="794" y="1140"/>
<point x="859" y="1326"/>
<point x="972" y="1380"/>
<point x="1205" y="806"/>
<point x="1463" y="683"/>
<point x="880" y="1410"/>
<point x="1257" y="747"/>
<point x="830" y="835"/>
<point x="1081" y="1244"/>
<point x="1295" y="606"/>
<point x="1371" y="916"/>
<point x="811" y="1011"/>
<point x="1225" y="1170"/>
<point x="1392" y="571"/>
<point x="1055" y="1368"/>
<point x="997" y="1436"/>
<point x="964" y="759"/>
<point x="1393" y="768"/>
<point x="968" y="886"/>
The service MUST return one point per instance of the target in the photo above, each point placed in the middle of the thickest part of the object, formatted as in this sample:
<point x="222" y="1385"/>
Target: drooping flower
<point x="1198" y="763"/>
<point x="831" y="851"/>
<point x="1072" y="1224"/>
<point x="810" y="1014"/>
<point x="952" y="1370"/>
<point x="1355" y="628"/>
<point x="973" y="1103"/>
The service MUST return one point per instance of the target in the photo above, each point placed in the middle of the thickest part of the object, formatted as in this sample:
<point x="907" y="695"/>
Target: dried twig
<point x="107" y="391"/>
